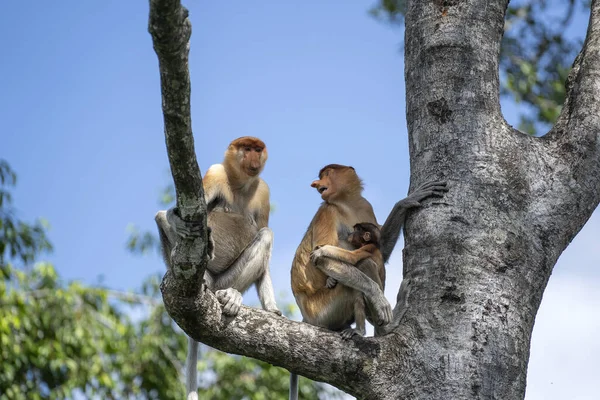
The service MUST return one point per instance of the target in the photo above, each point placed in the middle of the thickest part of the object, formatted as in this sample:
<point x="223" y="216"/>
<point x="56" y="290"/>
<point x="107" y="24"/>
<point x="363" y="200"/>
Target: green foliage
<point x="18" y="239"/>
<point x="58" y="339"/>
<point x="536" y="57"/>
<point x="536" y="54"/>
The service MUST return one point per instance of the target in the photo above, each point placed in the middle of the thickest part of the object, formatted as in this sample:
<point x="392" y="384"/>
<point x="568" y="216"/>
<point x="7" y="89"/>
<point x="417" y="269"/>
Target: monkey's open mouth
<point x="322" y="189"/>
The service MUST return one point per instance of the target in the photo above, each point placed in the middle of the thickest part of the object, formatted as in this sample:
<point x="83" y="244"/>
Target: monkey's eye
<point x="258" y="149"/>
<point x="247" y="149"/>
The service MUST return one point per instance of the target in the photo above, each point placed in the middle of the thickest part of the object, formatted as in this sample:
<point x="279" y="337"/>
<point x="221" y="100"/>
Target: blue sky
<point x="319" y="82"/>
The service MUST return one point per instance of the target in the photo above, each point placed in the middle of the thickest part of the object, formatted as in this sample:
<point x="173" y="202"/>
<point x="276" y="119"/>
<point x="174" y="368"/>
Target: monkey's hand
<point x="428" y="189"/>
<point x="382" y="310"/>
<point x="319" y="252"/>
<point x="331" y="282"/>
<point x="231" y="300"/>
<point x="183" y="228"/>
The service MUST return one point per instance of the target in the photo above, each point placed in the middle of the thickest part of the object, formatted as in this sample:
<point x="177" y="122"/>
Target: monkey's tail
<point x="191" y="370"/>
<point x="293" y="386"/>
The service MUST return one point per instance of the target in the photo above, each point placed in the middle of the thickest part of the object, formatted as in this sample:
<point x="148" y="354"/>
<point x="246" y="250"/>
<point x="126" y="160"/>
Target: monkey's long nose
<point x="314" y="184"/>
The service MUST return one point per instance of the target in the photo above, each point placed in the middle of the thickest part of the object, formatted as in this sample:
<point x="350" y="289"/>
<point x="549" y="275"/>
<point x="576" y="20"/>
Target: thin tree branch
<point x="171" y="30"/>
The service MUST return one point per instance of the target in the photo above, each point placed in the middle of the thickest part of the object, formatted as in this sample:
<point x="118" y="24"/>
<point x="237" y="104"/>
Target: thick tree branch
<point x="568" y="157"/>
<point x="171" y="30"/>
<point x="579" y="119"/>
<point x="316" y="353"/>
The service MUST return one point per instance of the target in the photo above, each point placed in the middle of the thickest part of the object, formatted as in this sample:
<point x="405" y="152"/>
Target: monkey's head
<point x="249" y="153"/>
<point x="365" y="233"/>
<point x="337" y="182"/>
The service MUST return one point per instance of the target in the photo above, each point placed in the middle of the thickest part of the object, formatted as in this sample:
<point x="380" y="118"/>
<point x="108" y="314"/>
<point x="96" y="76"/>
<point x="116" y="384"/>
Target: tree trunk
<point x="478" y="260"/>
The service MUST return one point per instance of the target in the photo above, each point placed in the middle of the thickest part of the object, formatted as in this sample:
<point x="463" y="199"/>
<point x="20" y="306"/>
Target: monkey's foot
<point x="231" y="300"/>
<point x="348" y="333"/>
<point x="331" y="282"/>
<point x="274" y="310"/>
<point x="382" y="310"/>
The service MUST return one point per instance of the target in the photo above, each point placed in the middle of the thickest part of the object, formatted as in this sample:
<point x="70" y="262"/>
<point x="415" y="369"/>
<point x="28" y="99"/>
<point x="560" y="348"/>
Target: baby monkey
<point x="367" y="257"/>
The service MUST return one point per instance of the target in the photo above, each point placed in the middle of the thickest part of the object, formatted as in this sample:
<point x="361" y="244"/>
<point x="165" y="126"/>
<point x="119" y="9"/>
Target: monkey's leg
<point x="251" y="266"/>
<point x="266" y="295"/>
<point x="352" y="277"/>
<point x="167" y="236"/>
<point x="399" y="310"/>
<point x="171" y="227"/>
<point x="359" y="317"/>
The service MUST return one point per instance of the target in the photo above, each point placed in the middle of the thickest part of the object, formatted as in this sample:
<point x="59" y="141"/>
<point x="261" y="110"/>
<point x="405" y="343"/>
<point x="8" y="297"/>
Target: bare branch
<point x="171" y="31"/>
<point x="310" y="351"/>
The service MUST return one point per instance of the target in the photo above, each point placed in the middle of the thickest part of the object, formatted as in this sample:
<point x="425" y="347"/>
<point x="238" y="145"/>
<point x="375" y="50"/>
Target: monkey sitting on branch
<point x="344" y="206"/>
<point x="240" y="241"/>
<point x="367" y="258"/>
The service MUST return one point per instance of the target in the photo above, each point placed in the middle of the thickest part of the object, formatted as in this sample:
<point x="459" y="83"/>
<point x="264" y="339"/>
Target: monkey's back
<point x="228" y="245"/>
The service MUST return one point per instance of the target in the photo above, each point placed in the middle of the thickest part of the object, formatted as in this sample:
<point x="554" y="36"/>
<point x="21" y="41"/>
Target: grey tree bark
<point x="478" y="260"/>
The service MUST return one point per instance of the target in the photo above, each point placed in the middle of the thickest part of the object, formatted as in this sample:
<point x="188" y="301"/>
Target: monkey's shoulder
<point x="216" y="172"/>
<point x="262" y="190"/>
<point x="216" y="183"/>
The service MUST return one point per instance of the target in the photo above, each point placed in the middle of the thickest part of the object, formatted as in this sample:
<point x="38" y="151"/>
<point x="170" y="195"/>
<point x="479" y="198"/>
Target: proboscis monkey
<point x="238" y="215"/>
<point x="343" y="206"/>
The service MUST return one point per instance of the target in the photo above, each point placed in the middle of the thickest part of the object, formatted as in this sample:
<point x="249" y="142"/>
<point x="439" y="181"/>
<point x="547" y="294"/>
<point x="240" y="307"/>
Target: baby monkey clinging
<point x="367" y="257"/>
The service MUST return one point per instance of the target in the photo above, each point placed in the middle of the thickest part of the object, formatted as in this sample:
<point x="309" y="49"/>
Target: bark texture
<point x="478" y="260"/>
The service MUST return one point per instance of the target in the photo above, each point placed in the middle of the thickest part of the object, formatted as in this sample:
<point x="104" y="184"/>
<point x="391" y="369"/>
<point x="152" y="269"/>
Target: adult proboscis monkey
<point x="343" y="206"/>
<point x="238" y="215"/>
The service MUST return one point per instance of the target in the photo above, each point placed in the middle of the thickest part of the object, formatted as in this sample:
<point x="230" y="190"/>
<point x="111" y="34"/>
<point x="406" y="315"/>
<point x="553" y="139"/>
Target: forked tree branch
<point x="301" y="348"/>
<point x="579" y="121"/>
<point x="570" y="153"/>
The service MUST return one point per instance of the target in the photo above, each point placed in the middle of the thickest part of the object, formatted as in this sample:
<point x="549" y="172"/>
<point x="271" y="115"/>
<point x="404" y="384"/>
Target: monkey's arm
<point x="324" y="229"/>
<point x="352" y="277"/>
<point x="337" y="253"/>
<point x="263" y="205"/>
<point x="394" y="222"/>
<point x="216" y="184"/>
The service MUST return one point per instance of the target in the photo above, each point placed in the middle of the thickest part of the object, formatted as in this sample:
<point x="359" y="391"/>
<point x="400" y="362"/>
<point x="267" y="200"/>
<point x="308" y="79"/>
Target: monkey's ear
<point x="367" y="236"/>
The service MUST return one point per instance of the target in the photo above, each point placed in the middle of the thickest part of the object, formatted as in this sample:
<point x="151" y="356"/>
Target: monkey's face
<point x="334" y="183"/>
<point x="356" y="239"/>
<point x="251" y="154"/>
<point x="364" y="233"/>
